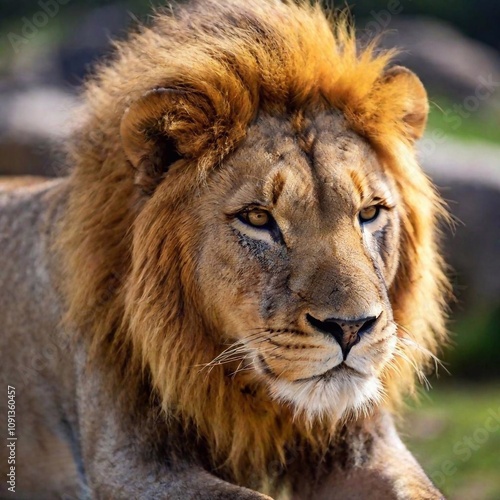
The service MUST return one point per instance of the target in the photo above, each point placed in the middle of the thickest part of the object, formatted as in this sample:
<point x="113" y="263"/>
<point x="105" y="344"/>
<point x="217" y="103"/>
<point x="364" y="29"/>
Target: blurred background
<point x="47" y="48"/>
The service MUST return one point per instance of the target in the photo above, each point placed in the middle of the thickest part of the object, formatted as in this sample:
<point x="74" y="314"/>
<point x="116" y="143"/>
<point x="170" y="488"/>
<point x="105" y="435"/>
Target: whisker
<point x="237" y="368"/>
<point x="238" y="351"/>
<point x="437" y="362"/>
<point x="410" y="342"/>
<point x="420" y="374"/>
<point x="237" y="346"/>
<point x="240" y="370"/>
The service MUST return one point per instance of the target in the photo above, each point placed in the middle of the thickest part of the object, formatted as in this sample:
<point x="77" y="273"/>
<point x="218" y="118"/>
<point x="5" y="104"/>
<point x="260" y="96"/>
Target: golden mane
<point x="130" y="288"/>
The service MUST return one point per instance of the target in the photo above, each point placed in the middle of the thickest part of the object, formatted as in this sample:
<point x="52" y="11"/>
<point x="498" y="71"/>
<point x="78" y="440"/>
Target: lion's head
<point x="248" y="224"/>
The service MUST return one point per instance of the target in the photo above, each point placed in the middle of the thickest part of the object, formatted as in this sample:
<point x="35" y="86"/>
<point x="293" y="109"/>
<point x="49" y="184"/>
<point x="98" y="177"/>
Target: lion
<point x="239" y="280"/>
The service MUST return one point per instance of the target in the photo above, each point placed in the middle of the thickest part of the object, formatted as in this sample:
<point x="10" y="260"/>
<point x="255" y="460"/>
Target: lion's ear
<point x="415" y="105"/>
<point x="147" y="136"/>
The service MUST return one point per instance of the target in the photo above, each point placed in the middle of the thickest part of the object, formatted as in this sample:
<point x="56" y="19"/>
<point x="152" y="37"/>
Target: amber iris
<point x="369" y="213"/>
<point x="257" y="218"/>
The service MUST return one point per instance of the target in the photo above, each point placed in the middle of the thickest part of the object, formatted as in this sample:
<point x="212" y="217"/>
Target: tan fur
<point x="227" y="84"/>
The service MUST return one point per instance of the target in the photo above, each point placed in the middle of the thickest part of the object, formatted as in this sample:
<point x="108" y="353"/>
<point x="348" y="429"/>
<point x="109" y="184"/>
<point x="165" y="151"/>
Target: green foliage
<point x="445" y="116"/>
<point x="476" y="345"/>
<point x="455" y="435"/>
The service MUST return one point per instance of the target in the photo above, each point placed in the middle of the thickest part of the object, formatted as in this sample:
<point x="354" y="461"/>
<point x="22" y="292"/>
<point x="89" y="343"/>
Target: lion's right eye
<point x="257" y="218"/>
<point x="259" y="224"/>
<point x="369" y="214"/>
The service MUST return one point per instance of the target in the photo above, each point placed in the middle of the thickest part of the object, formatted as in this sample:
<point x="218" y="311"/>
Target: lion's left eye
<point x="369" y="214"/>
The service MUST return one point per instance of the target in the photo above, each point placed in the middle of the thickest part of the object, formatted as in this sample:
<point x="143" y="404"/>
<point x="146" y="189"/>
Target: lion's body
<point x="31" y="343"/>
<point x="127" y="281"/>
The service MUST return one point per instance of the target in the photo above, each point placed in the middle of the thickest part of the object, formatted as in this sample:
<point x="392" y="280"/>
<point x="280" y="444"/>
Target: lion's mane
<point x="128" y="257"/>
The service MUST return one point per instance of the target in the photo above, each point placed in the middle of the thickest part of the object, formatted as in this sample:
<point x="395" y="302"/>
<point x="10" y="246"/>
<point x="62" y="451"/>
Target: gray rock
<point x="447" y="61"/>
<point x="468" y="176"/>
<point x="33" y="124"/>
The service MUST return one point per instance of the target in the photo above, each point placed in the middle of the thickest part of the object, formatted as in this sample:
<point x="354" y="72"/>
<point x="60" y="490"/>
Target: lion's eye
<point x="257" y="218"/>
<point x="369" y="214"/>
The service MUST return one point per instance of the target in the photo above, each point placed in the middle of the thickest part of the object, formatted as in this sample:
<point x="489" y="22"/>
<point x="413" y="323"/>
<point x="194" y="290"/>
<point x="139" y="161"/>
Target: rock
<point x="468" y="176"/>
<point x="447" y="61"/>
<point x="33" y="124"/>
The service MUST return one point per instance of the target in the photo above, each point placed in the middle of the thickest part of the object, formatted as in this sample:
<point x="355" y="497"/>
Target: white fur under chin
<point x="329" y="398"/>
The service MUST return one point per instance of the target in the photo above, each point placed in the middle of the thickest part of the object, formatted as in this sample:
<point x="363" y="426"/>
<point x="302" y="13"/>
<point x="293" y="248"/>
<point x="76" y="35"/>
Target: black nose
<point x="346" y="332"/>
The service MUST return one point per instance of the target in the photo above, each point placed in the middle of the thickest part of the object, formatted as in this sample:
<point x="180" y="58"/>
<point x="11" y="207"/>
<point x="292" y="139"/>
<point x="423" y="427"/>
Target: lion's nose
<point x="346" y="332"/>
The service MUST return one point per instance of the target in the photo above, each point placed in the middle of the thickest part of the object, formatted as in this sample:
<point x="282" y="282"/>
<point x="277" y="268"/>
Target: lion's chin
<point x="329" y="398"/>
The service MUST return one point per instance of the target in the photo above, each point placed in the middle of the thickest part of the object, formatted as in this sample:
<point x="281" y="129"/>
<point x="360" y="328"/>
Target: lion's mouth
<point x="301" y="361"/>
<point x="317" y="381"/>
<point x="341" y="368"/>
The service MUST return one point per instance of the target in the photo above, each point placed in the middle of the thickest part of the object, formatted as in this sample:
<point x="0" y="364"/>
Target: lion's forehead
<point x="318" y="165"/>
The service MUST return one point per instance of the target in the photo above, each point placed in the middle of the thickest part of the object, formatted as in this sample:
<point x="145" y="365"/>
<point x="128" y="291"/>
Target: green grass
<point x="455" y="434"/>
<point x="451" y="118"/>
